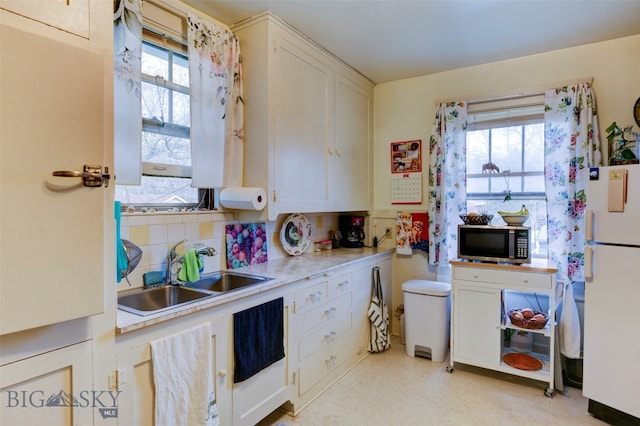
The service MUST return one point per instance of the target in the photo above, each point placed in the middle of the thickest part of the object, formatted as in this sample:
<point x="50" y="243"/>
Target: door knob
<point x="91" y="175"/>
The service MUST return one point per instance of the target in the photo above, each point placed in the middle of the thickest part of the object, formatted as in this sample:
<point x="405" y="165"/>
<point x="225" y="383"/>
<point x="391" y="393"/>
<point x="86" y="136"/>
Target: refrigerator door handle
<point x="588" y="262"/>
<point x="588" y="224"/>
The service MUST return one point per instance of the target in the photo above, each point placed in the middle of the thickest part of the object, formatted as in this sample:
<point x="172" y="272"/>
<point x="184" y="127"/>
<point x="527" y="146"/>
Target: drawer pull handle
<point x="342" y="284"/>
<point x="330" y="313"/>
<point x="315" y="297"/>
<point x="222" y="373"/>
<point x="331" y="337"/>
<point x="331" y="361"/>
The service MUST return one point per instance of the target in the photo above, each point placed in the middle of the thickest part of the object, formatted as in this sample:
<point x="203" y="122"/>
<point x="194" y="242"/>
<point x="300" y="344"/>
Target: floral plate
<point x="295" y="234"/>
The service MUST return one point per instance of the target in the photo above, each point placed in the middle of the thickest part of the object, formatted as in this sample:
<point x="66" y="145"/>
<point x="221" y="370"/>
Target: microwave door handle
<point x="512" y="244"/>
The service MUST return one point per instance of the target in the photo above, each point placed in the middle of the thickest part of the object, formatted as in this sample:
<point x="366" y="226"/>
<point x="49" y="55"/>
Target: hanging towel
<point x="258" y="338"/>
<point x="191" y="265"/>
<point x="121" y="255"/>
<point x="379" y="339"/>
<point x="183" y="378"/>
<point x="569" y="325"/>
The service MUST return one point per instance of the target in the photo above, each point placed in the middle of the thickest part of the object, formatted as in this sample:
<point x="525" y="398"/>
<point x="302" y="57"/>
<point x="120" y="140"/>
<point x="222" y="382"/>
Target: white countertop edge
<point x="284" y="271"/>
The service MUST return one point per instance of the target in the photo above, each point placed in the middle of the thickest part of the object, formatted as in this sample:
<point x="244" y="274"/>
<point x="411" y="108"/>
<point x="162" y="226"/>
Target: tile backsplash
<point x="157" y="233"/>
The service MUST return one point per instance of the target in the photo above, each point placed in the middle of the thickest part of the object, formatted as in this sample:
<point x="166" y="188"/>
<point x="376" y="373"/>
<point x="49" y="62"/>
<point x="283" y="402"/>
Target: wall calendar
<point x="406" y="188"/>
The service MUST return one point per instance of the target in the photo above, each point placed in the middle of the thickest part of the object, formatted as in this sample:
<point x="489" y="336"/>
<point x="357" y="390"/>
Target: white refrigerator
<point x="611" y="374"/>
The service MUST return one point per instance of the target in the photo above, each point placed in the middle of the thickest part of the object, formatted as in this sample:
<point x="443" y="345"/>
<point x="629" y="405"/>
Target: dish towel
<point x="258" y="338"/>
<point x="191" y="265"/>
<point x="183" y="378"/>
<point x="121" y="255"/>
<point x="569" y="325"/>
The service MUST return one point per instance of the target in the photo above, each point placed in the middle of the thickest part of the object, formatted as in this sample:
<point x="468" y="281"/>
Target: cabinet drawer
<point x="503" y="278"/>
<point x="339" y="285"/>
<point x="314" y="294"/>
<point x="328" y="335"/>
<point x="323" y="314"/>
<point x="321" y="363"/>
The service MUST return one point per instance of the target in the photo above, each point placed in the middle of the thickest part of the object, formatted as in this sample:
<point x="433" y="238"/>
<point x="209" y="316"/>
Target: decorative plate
<point x="295" y="234"/>
<point x="522" y="361"/>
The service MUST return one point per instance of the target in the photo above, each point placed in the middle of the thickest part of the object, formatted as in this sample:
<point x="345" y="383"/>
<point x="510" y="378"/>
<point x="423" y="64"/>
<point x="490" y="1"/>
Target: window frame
<point x="500" y="117"/>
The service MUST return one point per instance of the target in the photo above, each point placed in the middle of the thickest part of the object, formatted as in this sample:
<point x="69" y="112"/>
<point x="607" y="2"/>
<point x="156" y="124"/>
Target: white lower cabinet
<point x="482" y="334"/>
<point x="134" y="378"/>
<point x="54" y="388"/>
<point x="243" y="403"/>
<point x="331" y="327"/>
<point x="326" y="331"/>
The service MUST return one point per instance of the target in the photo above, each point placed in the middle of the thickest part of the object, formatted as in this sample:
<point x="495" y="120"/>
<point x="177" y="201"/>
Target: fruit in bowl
<point x="515" y="218"/>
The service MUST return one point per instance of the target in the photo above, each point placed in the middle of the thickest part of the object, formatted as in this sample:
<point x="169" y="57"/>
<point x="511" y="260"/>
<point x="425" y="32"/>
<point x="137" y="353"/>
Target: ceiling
<point x="390" y="40"/>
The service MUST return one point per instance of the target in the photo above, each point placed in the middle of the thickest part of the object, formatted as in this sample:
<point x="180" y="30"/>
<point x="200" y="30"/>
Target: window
<point x="505" y="167"/>
<point x="166" y="148"/>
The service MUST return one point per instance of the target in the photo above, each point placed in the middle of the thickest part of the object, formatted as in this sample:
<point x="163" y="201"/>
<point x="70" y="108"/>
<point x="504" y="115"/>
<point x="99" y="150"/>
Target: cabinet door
<point x="135" y="376"/>
<point x="302" y="97"/>
<point x="67" y="15"/>
<point x="350" y="152"/>
<point x="55" y="116"/>
<point x="476" y="325"/>
<point x="41" y="390"/>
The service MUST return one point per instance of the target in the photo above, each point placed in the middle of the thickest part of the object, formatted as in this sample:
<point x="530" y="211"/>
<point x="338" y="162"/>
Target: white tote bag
<point x="379" y="339"/>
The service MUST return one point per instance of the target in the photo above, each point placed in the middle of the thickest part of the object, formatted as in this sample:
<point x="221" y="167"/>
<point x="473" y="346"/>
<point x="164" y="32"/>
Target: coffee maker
<point x="352" y="230"/>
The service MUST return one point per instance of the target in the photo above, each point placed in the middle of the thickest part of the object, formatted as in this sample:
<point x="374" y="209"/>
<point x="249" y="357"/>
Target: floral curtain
<point x="447" y="180"/>
<point x="572" y="145"/>
<point x="127" y="46"/>
<point x="215" y="72"/>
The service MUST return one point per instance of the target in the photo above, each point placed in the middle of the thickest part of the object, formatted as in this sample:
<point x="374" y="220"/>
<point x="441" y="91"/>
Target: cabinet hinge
<point x="273" y="196"/>
<point x="294" y="306"/>
<point x="293" y="378"/>
<point x="117" y="378"/>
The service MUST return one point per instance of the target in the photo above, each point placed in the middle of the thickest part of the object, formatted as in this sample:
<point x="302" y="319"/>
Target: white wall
<point x="405" y="110"/>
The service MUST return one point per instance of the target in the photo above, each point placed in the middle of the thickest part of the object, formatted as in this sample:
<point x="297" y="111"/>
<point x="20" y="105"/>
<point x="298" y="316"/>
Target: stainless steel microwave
<point x="494" y="243"/>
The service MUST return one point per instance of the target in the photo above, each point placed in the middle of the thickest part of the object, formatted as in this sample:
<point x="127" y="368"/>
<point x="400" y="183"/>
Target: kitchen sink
<point x="224" y="281"/>
<point x="149" y="301"/>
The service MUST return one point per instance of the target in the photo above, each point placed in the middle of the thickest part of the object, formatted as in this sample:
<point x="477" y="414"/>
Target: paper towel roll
<point x="243" y="198"/>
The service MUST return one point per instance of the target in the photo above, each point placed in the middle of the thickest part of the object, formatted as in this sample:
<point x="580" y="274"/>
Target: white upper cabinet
<point x="56" y="114"/>
<point x="307" y="122"/>
<point x="71" y="16"/>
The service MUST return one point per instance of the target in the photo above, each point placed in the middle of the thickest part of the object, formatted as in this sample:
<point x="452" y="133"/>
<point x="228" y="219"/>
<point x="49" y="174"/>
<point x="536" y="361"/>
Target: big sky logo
<point x="105" y="401"/>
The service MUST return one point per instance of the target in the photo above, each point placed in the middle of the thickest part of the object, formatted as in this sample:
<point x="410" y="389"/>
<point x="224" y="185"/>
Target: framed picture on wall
<point x="406" y="156"/>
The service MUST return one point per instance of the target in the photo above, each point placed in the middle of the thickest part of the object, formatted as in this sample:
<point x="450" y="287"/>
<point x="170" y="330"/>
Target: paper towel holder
<point x="243" y="198"/>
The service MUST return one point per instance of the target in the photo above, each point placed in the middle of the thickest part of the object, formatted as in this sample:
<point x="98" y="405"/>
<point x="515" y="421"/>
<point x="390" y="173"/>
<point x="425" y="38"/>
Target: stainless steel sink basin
<point x="224" y="281"/>
<point x="149" y="301"/>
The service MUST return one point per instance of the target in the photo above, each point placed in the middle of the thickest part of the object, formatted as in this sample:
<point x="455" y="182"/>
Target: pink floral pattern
<point x="572" y="145"/>
<point x="447" y="180"/>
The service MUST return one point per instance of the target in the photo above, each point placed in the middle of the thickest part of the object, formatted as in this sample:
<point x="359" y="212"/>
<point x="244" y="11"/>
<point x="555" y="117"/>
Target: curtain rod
<point x="523" y="93"/>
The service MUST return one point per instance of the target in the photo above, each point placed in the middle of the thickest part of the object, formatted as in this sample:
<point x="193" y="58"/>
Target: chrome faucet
<point x="207" y="251"/>
<point x="171" y="257"/>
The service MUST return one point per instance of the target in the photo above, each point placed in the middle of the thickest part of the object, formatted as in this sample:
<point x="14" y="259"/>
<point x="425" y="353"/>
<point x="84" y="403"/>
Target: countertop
<point x="283" y="271"/>
<point x="536" y="265"/>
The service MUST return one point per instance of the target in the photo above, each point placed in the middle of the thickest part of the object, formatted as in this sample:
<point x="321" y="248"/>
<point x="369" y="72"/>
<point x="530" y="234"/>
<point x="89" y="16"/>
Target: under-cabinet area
<point x="503" y="319"/>
<point x="325" y="332"/>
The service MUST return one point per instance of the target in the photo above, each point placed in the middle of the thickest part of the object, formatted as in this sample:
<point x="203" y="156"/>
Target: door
<point x="476" y="325"/>
<point x="350" y="159"/>
<point x="611" y="345"/>
<point x="137" y="403"/>
<point x="54" y="115"/>
<point x="301" y="101"/>
<point x="55" y="388"/>
<point x="618" y="227"/>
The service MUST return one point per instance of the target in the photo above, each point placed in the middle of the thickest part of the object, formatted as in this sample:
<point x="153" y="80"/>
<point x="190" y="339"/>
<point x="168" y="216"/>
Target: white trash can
<point x="426" y="318"/>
